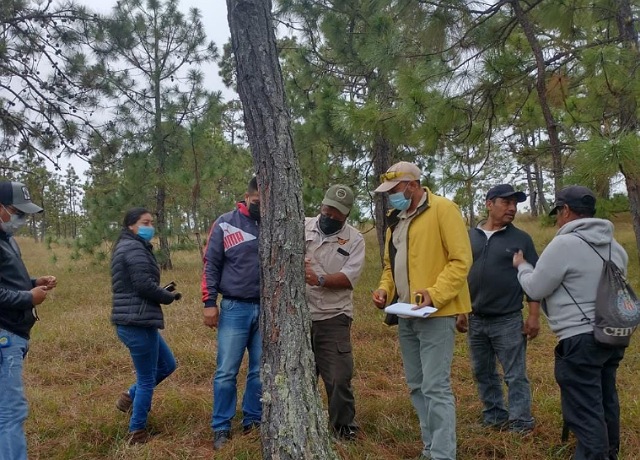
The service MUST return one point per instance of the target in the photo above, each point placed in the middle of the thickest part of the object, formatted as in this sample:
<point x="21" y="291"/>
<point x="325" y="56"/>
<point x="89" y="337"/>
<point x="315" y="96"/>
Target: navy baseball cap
<point x="505" y="191"/>
<point x="576" y="197"/>
<point x="17" y="195"/>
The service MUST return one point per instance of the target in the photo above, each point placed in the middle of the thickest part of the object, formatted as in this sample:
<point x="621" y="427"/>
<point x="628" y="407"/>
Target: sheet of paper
<point x="405" y="309"/>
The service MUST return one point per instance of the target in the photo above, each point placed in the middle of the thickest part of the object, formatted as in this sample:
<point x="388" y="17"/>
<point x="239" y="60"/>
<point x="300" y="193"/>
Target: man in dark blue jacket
<point x="496" y="327"/>
<point x="19" y="295"/>
<point x="232" y="269"/>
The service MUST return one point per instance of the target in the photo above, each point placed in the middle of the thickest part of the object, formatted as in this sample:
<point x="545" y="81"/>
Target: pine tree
<point x="159" y="87"/>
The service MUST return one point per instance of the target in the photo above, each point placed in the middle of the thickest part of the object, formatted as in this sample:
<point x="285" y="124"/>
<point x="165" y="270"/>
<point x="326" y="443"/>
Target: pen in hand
<point x="379" y="297"/>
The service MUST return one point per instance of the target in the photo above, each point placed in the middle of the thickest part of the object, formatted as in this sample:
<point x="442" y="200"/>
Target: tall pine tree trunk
<point x="381" y="157"/>
<point x="295" y="427"/>
<point x="469" y="191"/>
<point x="533" y="193"/>
<point x="195" y="194"/>
<point x="159" y="151"/>
<point x="541" y="89"/>
<point x="543" y="206"/>
<point x="161" y="199"/>
<point x="629" y="108"/>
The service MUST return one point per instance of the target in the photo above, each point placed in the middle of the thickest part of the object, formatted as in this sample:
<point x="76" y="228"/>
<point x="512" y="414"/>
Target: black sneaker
<point x="497" y="425"/>
<point x="347" y="433"/>
<point x="523" y="429"/>
<point x="220" y="438"/>
<point x="250" y="427"/>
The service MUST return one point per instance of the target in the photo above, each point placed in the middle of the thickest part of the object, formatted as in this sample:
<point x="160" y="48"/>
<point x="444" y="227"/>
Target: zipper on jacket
<point x="143" y="307"/>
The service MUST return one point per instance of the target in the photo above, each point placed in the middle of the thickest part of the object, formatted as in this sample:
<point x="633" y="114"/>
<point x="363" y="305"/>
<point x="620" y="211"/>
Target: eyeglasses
<point x="393" y="175"/>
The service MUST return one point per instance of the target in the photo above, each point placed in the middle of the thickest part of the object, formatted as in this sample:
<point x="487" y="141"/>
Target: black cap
<point x="17" y="195"/>
<point x="505" y="191"/>
<point x="576" y="197"/>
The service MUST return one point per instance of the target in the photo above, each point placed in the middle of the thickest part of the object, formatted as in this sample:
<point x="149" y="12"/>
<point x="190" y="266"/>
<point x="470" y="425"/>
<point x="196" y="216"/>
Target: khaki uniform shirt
<point x="342" y="252"/>
<point x="400" y="273"/>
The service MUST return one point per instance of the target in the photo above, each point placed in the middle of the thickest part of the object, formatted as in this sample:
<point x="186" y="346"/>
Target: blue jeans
<point x="238" y="329"/>
<point x="586" y="374"/>
<point x="427" y="352"/>
<point x="153" y="362"/>
<point x="13" y="404"/>
<point x="500" y="338"/>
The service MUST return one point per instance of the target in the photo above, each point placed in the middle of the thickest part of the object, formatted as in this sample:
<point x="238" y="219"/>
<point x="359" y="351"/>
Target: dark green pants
<point x="331" y="341"/>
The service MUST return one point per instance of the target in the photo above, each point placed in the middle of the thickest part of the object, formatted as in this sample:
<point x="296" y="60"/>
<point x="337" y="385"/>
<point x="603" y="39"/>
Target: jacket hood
<point x="595" y="231"/>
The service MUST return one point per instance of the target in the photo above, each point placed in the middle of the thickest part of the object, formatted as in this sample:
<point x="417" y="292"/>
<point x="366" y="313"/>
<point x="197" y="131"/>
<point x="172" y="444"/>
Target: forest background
<point x="540" y="94"/>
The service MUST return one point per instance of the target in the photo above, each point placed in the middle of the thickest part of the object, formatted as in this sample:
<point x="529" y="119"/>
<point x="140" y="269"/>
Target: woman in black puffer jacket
<point x="137" y="315"/>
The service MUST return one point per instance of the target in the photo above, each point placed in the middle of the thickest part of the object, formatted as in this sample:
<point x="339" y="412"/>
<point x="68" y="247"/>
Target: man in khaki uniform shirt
<point x="333" y="263"/>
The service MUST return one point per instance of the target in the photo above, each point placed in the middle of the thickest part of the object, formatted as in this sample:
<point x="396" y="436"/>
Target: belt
<point x="504" y="315"/>
<point x="239" y="299"/>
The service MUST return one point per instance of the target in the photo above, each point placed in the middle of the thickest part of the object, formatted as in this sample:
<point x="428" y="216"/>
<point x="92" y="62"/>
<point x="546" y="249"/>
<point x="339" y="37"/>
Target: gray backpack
<point x="617" y="309"/>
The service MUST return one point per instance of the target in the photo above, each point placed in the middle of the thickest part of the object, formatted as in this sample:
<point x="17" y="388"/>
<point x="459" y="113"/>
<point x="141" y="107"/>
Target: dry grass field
<point x="77" y="367"/>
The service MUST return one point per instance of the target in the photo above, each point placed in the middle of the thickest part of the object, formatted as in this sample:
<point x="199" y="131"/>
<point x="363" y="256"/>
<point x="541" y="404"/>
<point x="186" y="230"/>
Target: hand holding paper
<point x="407" y="309"/>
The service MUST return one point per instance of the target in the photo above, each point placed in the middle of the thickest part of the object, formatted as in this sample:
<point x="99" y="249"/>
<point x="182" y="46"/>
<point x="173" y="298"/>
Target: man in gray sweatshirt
<point x="584" y="370"/>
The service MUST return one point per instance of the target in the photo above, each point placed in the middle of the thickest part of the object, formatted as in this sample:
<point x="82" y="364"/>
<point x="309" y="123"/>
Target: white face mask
<point x="15" y="223"/>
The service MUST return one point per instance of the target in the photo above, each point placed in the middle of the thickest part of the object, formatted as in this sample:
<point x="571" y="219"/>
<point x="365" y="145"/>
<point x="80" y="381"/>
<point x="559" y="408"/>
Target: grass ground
<point x="77" y="367"/>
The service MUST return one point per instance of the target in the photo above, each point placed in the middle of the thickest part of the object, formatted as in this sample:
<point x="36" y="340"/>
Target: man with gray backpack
<point x="567" y="277"/>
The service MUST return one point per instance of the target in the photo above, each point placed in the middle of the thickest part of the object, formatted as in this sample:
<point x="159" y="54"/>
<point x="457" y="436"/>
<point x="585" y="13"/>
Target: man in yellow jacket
<point x="427" y="256"/>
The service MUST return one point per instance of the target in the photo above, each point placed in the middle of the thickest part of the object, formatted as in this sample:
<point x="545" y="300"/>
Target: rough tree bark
<point x="295" y="426"/>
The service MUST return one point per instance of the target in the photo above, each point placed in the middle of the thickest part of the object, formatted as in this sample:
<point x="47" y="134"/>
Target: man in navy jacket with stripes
<point x="232" y="269"/>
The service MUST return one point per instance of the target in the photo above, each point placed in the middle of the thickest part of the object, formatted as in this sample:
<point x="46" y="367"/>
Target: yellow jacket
<point x="439" y="255"/>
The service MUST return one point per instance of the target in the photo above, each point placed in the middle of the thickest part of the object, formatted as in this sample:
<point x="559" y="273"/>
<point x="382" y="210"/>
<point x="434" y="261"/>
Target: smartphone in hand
<point x="170" y="287"/>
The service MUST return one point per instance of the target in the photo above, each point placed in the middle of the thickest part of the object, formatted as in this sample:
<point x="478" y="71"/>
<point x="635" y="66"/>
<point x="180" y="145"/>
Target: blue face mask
<point x="399" y="201"/>
<point x="146" y="233"/>
<point x="16" y="222"/>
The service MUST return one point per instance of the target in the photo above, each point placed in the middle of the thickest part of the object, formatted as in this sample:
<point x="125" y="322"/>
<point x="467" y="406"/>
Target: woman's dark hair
<point x="130" y="217"/>
<point x="133" y="215"/>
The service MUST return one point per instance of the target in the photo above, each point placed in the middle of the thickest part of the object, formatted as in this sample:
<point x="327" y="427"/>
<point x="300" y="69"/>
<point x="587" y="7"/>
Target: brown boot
<point x="124" y="402"/>
<point x="138" y="437"/>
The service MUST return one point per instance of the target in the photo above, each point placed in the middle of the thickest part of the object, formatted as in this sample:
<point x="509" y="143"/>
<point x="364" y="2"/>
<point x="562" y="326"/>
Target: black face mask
<point x="254" y="211"/>
<point x="329" y="226"/>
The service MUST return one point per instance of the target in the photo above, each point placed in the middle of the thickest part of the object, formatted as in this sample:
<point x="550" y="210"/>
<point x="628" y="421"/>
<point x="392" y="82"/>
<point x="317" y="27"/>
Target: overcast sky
<point x="214" y="19"/>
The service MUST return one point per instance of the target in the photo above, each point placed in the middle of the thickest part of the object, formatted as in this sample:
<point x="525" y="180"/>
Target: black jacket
<point x="135" y="278"/>
<point x="493" y="282"/>
<point x="16" y="301"/>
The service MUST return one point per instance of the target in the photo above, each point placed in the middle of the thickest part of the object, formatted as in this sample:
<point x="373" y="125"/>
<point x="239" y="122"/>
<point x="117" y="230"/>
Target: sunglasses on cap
<point x="395" y="175"/>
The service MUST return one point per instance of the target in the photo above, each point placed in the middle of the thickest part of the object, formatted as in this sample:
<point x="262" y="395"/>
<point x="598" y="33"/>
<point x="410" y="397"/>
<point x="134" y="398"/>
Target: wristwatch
<point x="321" y="281"/>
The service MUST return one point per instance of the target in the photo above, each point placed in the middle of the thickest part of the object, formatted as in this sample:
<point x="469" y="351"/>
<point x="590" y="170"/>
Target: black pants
<point x="331" y="341"/>
<point x="586" y="374"/>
